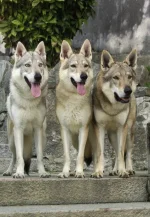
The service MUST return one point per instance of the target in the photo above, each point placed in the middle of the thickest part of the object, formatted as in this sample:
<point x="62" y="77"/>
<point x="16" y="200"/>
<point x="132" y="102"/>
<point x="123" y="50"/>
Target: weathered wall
<point x="118" y="26"/>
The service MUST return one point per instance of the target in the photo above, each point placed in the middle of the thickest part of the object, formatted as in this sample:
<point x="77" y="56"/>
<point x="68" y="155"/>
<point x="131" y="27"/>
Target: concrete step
<point x="50" y="191"/>
<point x="82" y="210"/>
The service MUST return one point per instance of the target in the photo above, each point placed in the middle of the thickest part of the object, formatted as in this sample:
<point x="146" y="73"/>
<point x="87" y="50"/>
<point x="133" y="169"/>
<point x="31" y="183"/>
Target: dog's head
<point x="118" y="77"/>
<point x="75" y="70"/>
<point x="30" y="71"/>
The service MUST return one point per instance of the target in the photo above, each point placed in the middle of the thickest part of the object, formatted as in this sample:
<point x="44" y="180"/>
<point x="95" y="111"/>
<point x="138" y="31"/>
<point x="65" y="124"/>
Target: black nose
<point x="127" y="90"/>
<point x="83" y="76"/>
<point x="37" y="77"/>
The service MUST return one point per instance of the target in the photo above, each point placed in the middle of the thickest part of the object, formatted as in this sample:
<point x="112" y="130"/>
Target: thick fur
<point x="115" y="112"/>
<point x="74" y="107"/>
<point x="27" y="109"/>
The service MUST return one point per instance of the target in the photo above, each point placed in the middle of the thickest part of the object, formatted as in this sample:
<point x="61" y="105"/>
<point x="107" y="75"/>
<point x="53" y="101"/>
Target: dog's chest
<point x="111" y="122"/>
<point x="29" y="118"/>
<point x="73" y="114"/>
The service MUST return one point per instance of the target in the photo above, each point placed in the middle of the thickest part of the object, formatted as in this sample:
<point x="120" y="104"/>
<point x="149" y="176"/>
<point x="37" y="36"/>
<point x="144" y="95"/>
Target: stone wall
<point x="118" y="25"/>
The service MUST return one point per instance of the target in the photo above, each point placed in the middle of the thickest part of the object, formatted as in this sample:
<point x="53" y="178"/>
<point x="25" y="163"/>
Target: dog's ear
<point x="66" y="50"/>
<point x="86" y="49"/>
<point x="106" y="60"/>
<point x="20" y="50"/>
<point x="131" y="59"/>
<point x="40" y="49"/>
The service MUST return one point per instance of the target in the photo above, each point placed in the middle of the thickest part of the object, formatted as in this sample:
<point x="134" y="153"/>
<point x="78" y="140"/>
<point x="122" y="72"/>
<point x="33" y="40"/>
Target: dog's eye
<point x="40" y="64"/>
<point x="73" y="66"/>
<point x="86" y="65"/>
<point x="116" y="77"/>
<point x="27" y="65"/>
<point x="129" y="76"/>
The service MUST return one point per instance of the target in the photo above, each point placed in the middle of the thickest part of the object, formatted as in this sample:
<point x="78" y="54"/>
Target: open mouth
<point x="80" y="86"/>
<point x="123" y="99"/>
<point x="35" y="87"/>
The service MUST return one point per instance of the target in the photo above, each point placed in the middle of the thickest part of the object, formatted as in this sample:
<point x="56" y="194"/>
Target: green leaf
<point x="3" y="30"/>
<point x="16" y="22"/>
<point x="35" y="3"/>
<point x="3" y="24"/>
<point x="13" y="32"/>
<point x="53" y="20"/>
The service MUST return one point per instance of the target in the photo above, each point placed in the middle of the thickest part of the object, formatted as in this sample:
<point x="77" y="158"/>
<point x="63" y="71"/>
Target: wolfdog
<point x="26" y="105"/>
<point x="115" y="111"/>
<point x="74" y="104"/>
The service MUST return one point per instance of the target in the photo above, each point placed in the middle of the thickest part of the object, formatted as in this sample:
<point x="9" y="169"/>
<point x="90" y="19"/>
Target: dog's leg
<point x="18" y="137"/>
<point x="114" y="142"/>
<point x="66" y="138"/>
<point x="11" y="143"/>
<point x="99" y="155"/>
<point x="9" y="171"/>
<point x="83" y="133"/>
<point x="121" y="136"/>
<point x="129" y="147"/>
<point x="39" y="149"/>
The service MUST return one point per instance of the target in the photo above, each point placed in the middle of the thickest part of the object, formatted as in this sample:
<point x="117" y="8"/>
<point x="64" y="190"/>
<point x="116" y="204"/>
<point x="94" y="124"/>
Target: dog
<point x="115" y="112"/>
<point x="26" y="105"/>
<point x="74" y="104"/>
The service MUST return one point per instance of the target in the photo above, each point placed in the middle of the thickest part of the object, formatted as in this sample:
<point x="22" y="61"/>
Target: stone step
<point x="54" y="191"/>
<point x="79" y="210"/>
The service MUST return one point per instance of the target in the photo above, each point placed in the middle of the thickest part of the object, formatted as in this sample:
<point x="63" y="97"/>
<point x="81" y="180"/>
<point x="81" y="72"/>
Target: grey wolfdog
<point x="26" y="105"/>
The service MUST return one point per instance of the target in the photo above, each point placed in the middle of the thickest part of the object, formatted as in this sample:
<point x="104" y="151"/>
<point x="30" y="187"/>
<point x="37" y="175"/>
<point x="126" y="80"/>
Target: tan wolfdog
<point x="115" y="112"/>
<point x="74" y="103"/>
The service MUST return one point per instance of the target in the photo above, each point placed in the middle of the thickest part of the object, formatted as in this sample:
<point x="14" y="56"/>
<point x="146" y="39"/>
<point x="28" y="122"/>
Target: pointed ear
<point x="66" y="50"/>
<point x="131" y="59"/>
<point x="86" y="49"/>
<point x="20" y="50"/>
<point x="40" y="49"/>
<point x="106" y="60"/>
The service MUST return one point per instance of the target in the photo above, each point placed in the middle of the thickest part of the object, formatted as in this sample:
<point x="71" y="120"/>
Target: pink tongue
<point x="80" y="89"/>
<point x="35" y="90"/>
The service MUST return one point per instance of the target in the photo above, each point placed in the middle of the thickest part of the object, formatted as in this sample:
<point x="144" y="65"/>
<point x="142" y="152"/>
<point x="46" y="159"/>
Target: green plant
<point x="31" y="21"/>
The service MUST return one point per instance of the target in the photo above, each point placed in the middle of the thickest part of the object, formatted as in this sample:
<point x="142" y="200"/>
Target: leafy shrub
<point x="31" y="21"/>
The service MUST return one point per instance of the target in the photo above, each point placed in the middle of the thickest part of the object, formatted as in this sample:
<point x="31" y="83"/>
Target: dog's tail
<point x="27" y="153"/>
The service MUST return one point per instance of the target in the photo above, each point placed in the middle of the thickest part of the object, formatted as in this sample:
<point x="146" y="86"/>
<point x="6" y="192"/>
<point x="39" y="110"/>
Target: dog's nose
<point x="127" y="90"/>
<point x="83" y="76"/>
<point x="37" y="77"/>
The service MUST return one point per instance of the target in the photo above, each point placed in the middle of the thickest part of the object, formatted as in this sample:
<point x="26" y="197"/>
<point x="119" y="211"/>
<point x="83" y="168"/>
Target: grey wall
<point x="118" y="26"/>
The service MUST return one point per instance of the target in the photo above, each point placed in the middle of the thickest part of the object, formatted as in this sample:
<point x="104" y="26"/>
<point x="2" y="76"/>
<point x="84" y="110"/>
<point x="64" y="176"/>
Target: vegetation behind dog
<point x="31" y="21"/>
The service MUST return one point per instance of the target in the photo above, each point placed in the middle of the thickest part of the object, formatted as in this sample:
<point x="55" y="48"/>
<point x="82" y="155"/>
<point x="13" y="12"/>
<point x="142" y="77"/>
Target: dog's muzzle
<point x="35" y="86"/>
<point x="80" y="85"/>
<point x="126" y="98"/>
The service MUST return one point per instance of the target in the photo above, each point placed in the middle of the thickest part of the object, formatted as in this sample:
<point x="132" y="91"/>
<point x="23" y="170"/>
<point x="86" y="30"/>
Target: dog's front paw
<point x="7" y="173"/>
<point x="123" y="174"/>
<point x="18" y="175"/>
<point x="113" y="173"/>
<point x="63" y="175"/>
<point x="79" y="174"/>
<point x="131" y="172"/>
<point x="44" y="175"/>
<point x="98" y="174"/>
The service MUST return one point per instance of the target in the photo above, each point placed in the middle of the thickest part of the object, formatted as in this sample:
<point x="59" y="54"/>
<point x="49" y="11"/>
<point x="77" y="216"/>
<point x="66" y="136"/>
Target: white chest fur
<point x="74" y="113"/>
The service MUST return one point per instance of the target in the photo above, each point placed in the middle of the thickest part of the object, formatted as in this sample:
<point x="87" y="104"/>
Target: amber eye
<point x="116" y="77"/>
<point x="40" y="64"/>
<point x="73" y="66"/>
<point x="129" y="76"/>
<point x="27" y="65"/>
